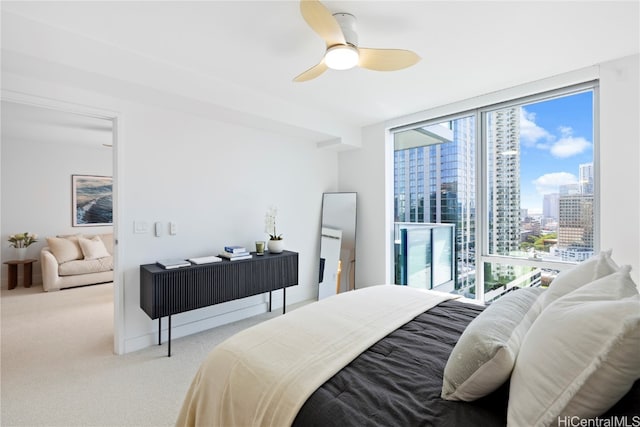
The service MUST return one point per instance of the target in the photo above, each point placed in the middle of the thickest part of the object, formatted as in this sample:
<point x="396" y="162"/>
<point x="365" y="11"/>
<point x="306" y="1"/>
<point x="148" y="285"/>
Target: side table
<point x="27" y="271"/>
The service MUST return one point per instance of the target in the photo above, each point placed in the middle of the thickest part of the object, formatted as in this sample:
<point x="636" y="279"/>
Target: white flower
<point x="270" y="224"/>
<point x="22" y="240"/>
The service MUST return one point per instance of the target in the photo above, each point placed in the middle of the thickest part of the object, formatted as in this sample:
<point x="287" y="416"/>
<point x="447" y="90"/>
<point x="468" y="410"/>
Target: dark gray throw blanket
<point x="398" y="381"/>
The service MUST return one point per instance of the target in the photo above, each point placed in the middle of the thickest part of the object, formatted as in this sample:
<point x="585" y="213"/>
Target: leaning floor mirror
<point x="337" y="244"/>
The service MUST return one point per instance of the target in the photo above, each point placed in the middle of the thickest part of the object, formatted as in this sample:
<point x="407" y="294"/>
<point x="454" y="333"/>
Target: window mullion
<point x="482" y="216"/>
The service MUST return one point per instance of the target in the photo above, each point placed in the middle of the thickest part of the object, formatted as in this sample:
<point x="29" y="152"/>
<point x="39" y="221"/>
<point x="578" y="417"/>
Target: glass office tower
<point x="434" y="183"/>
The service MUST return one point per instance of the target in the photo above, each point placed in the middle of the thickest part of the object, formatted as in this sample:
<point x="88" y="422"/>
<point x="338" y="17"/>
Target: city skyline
<point x="532" y="151"/>
<point x="556" y="136"/>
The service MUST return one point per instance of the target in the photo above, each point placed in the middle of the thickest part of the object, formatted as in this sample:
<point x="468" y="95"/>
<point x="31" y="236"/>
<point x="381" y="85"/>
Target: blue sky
<point x="556" y="136"/>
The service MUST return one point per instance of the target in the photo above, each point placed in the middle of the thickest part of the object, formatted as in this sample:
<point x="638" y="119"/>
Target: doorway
<point x="49" y="141"/>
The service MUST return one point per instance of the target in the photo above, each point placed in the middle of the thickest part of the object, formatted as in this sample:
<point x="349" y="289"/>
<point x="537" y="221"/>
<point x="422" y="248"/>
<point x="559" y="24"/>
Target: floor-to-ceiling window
<point x="518" y="182"/>
<point x="434" y="183"/>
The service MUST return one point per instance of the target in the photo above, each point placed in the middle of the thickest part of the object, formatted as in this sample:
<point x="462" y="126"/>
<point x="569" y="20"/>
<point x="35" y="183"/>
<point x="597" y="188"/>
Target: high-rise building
<point x="551" y="206"/>
<point x="569" y="189"/>
<point x="585" y="179"/>
<point x="503" y="134"/>
<point x="575" y="217"/>
<point x="434" y="182"/>
<point x="503" y="160"/>
<point x="575" y="225"/>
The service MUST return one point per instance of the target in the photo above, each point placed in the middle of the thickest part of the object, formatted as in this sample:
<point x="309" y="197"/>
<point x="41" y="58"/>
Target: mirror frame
<point x="344" y="230"/>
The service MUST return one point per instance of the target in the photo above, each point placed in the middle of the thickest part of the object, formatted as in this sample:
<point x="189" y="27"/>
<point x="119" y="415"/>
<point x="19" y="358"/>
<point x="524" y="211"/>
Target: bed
<point x="313" y="367"/>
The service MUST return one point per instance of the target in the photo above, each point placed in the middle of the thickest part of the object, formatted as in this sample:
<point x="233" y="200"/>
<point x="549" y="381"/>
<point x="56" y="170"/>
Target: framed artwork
<point x="92" y="203"/>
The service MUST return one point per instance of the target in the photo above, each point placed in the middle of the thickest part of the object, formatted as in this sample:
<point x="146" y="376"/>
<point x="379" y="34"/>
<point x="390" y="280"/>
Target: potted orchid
<point x="276" y="243"/>
<point x="21" y="241"/>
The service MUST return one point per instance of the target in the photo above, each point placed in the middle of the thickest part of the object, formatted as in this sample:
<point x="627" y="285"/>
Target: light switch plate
<point x="173" y="228"/>
<point x="140" y="227"/>
<point x="158" y="229"/>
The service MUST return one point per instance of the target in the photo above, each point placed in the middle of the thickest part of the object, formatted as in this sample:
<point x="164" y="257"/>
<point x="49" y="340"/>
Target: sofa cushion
<point x="73" y="268"/>
<point x="107" y="239"/>
<point x="65" y="249"/>
<point x="93" y="248"/>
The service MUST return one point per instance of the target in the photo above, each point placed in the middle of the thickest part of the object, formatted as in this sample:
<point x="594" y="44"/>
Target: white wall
<point x="619" y="154"/>
<point x="36" y="189"/>
<point x="216" y="181"/>
<point x="364" y="170"/>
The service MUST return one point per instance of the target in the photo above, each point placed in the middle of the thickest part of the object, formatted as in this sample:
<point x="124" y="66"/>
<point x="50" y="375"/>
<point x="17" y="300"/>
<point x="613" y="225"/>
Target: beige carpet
<point x="58" y="367"/>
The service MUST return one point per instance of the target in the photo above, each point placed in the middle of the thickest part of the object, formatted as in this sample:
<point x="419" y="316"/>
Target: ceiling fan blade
<point x="322" y="22"/>
<point x="386" y="59"/>
<point x="312" y="72"/>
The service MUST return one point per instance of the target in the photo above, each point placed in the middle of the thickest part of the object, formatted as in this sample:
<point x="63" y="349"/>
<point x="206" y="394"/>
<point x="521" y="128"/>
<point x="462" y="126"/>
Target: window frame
<point x="482" y="182"/>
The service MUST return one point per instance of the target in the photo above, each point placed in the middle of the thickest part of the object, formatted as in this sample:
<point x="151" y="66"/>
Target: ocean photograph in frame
<point x="92" y="203"/>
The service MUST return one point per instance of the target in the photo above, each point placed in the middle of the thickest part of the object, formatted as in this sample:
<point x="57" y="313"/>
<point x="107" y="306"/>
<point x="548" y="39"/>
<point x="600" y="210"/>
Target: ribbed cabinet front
<point x="164" y="292"/>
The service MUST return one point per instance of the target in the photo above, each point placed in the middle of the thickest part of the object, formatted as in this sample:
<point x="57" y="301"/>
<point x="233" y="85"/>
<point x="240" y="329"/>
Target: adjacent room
<point x="360" y="200"/>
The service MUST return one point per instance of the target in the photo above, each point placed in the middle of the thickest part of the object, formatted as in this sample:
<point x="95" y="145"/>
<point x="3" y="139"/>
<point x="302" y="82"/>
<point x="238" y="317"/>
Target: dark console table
<point x="166" y="292"/>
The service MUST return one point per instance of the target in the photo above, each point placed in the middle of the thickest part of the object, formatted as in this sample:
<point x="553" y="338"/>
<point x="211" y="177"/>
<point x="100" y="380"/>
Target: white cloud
<point x="532" y="135"/>
<point x="565" y="131"/>
<point x="568" y="145"/>
<point x="551" y="182"/>
<point x="530" y="132"/>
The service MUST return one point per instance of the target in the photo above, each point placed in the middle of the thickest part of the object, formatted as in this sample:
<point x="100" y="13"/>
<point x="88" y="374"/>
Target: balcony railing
<point x="425" y="255"/>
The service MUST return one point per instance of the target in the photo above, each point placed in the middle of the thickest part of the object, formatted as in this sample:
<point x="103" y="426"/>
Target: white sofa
<point x="77" y="260"/>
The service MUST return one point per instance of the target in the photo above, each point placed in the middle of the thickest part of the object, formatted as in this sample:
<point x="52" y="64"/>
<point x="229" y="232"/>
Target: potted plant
<point x="276" y="241"/>
<point x="21" y="241"/>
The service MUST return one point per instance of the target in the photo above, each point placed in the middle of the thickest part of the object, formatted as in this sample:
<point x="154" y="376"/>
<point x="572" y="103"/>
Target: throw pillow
<point x="93" y="248"/>
<point x="587" y="271"/>
<point x="484" y="356"/>
<point x="107" y="239"/>
<point x="65" y="249"/>
<point x="580" y="356"/>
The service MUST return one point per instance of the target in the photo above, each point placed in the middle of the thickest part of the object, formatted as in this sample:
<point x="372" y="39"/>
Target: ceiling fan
<point x="339" y="33"/>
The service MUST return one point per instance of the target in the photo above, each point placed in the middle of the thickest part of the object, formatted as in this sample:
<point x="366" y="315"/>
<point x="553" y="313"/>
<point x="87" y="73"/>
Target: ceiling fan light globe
<point x="341" y="57"/>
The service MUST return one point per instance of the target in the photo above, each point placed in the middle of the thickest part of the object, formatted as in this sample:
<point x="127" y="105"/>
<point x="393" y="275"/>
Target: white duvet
<point x="263" y="375"/>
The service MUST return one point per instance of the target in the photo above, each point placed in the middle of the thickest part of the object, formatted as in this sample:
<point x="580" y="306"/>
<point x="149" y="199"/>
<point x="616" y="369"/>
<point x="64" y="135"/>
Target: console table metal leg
<point x="169" y="352"/>
<point x="159" y="330"/>
<point x="269" y="301"/>
<point x="284" y="300"/>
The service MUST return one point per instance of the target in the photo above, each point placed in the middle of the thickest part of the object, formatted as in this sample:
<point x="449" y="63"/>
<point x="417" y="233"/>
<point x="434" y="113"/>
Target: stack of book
<point x="234" y="253"/>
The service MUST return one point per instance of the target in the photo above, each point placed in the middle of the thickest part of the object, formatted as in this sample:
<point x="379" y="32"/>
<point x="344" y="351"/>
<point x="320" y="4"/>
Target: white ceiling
<point x="29" y="123"/>
<point x="243" y="55"/>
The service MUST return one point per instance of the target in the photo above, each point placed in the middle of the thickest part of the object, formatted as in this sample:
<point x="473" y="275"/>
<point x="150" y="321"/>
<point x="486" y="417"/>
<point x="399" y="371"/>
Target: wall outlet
<point x="173" y="228"/>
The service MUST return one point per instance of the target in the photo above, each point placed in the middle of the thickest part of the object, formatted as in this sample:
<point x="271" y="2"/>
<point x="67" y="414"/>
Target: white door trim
<point x="117" y="120"/>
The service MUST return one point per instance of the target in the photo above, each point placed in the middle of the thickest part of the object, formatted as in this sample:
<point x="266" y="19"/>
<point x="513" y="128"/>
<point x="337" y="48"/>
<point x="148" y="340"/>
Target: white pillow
<point x="93" y="248"/>
<point x="484" y="356"/>
<point x="65" y="249"/>
<point x="580" y="356"/>
<point x="107" y="239"/>
<point x="594" y="268"/>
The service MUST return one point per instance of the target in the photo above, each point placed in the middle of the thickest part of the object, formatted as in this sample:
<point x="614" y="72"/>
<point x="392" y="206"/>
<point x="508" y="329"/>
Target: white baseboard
<point x="192" y="327"/>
